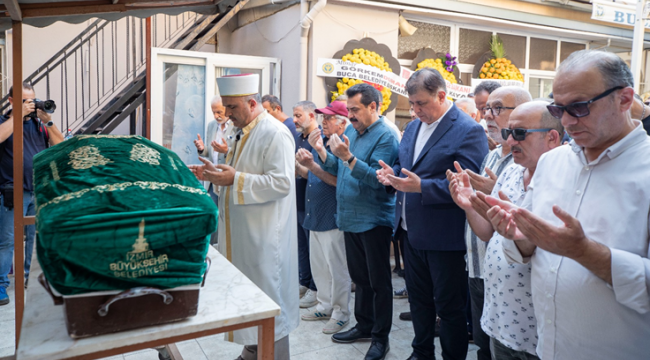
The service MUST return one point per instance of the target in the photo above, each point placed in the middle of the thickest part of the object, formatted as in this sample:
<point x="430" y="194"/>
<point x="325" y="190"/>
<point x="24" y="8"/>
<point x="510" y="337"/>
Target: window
<point x="567" y="48"/>
<point x="473" y="44"/>
<point x="515" y="47"/>
<point x="543" y="54"/>
<point x="434" y="36"/>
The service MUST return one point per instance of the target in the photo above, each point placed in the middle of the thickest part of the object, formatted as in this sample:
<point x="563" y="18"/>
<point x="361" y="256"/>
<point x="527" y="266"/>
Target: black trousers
<point x="304" y="265"/>
<point x="368" y="257"/>
<point x="437" y="283"/>
<point x="481" y="339"/>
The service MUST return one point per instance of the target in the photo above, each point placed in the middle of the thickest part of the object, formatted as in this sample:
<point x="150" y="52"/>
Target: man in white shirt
<point x="584" y="224"/>
<point x="507" y="315"/>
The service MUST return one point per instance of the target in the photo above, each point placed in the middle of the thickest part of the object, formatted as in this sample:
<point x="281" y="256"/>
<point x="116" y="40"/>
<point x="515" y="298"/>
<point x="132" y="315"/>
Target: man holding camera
<point x="39" y="133"/>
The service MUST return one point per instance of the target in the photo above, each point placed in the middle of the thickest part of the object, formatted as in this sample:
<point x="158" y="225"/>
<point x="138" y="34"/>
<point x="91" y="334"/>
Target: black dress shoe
<point x="377" y="351"/>
<point x="350" y="336"/>
<point x="406" y="316"/>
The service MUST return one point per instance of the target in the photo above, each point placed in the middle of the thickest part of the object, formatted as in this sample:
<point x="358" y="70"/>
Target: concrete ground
<point x="307" y="341"/>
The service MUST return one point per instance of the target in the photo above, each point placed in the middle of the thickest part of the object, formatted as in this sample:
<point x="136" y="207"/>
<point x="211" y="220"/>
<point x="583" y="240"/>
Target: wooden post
<point x="148" y="79"/>
<point x="266" y="340"/>
<point x="17" y="111"/>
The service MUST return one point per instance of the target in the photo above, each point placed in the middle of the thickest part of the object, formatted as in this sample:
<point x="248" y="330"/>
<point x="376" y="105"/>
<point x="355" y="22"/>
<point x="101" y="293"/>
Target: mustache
<point x="353" y="119"/>
<point x="515" y="148"/>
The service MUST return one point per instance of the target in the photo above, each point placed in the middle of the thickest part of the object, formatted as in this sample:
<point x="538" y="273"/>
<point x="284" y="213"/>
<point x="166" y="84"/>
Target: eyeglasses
<point x="578" y="109"/>
<point x="496" y="110"/>
<point x="519" y="134"/>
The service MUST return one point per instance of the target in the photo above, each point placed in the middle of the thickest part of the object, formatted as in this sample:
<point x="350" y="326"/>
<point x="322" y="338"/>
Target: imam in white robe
<point x="257" y="218"/>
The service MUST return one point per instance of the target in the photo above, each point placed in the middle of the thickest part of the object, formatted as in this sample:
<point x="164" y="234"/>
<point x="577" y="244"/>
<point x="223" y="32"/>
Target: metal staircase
<point x="99" y="78"/>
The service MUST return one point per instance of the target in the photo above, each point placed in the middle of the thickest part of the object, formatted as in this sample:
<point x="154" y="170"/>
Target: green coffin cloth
<point x="117" y="212"/>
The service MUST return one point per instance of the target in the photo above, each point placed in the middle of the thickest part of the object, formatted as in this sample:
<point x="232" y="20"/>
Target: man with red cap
<point x="326" y="242"/>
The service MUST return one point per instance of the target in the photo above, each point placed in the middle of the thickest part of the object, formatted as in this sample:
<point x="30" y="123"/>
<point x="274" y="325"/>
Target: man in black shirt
<point x="38" y="134"/>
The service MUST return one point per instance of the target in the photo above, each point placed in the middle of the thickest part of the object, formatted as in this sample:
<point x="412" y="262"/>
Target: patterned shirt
<point x="320" y="205"/>
<point x="475" y="246"/>
<point x="508" y="314"/>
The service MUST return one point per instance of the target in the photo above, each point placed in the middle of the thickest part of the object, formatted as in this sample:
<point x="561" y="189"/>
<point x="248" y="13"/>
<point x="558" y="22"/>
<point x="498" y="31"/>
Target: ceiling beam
<point x="14" y="10"/>
<point x="36" y="10"/>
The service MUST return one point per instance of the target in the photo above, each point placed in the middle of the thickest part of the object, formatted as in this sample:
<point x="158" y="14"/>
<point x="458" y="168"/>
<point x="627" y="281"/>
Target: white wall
<point x="334" y="27"/>
<point x="275" y="36"/>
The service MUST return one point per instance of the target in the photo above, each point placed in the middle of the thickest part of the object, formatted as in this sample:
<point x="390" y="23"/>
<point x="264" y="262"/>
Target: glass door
<point x="183" y="85"/>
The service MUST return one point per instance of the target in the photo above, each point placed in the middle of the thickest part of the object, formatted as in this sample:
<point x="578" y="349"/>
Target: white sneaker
<point x="303" y="290"/>
<point x="334" y="326"/>
<point x="316" y="315"/>
<point x="308" y="300"/>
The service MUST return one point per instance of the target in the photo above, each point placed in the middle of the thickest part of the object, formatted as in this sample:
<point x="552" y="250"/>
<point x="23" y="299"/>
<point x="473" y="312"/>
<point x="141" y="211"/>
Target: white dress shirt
<point x="425" y="132"/>
<point x="508" y="314"/>
<point x="579" y="315"/>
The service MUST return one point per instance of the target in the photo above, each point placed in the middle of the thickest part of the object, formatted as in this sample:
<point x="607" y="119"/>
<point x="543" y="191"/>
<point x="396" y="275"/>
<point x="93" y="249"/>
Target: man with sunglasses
<point x="499" y="106"/>
<point x="584" y="224"/>
<point x="508" y="316"/>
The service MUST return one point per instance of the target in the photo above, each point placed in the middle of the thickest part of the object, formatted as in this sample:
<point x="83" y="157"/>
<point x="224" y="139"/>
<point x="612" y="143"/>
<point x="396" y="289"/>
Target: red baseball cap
<point x="334" y="108"/>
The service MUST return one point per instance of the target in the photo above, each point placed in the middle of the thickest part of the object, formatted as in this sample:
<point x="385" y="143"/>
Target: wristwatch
<point x="348" y="161"/>
<point x="49" y="123"/>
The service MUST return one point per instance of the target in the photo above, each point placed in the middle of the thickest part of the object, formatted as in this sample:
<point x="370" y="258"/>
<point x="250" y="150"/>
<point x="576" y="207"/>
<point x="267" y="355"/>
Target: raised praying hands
<point x="222" y="175"/>
<point x="384" y="172"/>
<point x="340" y="147"/>
<point x="220" y="148"/>
<point x="199" y="143"/>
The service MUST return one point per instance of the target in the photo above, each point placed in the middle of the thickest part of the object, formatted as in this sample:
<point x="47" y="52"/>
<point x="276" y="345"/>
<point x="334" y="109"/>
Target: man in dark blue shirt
<point x="365" y="213"/>
<point x="38" y="134"/>
<point x="271" y="103"/>
<point x="304" y="117"/>
<point x="326" y="241"/>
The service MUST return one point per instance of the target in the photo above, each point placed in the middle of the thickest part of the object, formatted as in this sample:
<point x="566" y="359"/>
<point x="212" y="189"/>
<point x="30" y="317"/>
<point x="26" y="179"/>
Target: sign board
<point x="616" y="13"/>
<point x="396" y="83"/>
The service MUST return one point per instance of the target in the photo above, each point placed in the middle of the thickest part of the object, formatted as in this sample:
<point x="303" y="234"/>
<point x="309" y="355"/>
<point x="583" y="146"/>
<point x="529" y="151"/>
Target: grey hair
<point x="341" y="98"/>
<point x="549" y="121"/>
<point x="426" y="79"/>
<point x="471" y="105"/>
<point x="256" y="97"/>
<point x="307" y="106"/>
<point x="488" y="86"/>
<point x="613" y="69"/>
<point x="216" y="100"/>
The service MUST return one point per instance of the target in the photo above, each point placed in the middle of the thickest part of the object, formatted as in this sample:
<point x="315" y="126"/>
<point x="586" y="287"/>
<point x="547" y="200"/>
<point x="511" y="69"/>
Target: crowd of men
<point x="533" y="212"/>
<point x="548" y="239"/>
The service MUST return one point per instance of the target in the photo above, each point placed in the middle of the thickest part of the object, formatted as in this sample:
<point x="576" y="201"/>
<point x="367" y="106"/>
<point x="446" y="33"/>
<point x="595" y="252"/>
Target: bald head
<point x="468" y="106"/>
<point x="534" y="116"/>
<point x="517" y="94"/>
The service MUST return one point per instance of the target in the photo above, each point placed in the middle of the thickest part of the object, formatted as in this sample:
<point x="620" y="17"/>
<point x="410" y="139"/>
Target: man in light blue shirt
<point x="365" y="212"/>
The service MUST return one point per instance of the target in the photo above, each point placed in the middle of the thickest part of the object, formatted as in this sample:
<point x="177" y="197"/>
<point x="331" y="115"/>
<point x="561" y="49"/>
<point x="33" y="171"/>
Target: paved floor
<point x="307" y="342"/>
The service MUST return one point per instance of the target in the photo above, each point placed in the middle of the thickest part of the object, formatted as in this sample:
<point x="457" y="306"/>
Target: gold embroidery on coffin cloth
<point x="144" y="185"/>
<point x="86" y="157"/>
<point x="145" y="154"/>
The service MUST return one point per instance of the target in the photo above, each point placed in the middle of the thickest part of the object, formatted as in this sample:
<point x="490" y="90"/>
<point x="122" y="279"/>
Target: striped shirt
<point x="475" y="246"/>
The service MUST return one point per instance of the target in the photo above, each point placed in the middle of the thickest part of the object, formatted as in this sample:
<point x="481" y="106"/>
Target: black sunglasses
<point x="497" y="110"/>
<point x="519" y="134"/>
<point x="580" y="108"/>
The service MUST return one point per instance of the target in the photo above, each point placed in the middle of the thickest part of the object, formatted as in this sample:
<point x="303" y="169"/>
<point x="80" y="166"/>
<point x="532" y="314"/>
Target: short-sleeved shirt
<point x="320" y="205"/>
<point x="508" y="312"/>
<point x="34" y="141"/>
<point x="301" y="183"/>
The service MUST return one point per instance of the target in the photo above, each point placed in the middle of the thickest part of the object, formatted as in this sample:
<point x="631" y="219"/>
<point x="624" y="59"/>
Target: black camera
<point x="48" y="106"/>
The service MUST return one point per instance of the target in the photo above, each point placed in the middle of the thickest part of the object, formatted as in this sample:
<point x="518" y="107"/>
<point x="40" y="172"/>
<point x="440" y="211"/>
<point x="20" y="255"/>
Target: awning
<point x="42" y="13"/>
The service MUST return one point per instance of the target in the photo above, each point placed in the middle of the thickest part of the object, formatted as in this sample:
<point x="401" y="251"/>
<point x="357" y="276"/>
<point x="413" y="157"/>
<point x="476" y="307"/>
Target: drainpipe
<point x="307" y="18"/>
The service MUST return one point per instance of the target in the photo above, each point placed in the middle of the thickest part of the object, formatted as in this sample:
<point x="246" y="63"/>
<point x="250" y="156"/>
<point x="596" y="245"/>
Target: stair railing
<point x="87" y="73"/>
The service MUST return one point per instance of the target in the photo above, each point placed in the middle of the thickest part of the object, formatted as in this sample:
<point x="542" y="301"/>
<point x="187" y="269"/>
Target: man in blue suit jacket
<point x="427" y="216"/>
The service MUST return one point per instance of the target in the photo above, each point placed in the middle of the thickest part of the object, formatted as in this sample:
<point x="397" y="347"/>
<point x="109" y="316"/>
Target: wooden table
<point x="228" y="301"/>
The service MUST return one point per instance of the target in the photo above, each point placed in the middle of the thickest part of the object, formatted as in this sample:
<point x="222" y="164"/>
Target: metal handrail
<point x="97" y="64"/>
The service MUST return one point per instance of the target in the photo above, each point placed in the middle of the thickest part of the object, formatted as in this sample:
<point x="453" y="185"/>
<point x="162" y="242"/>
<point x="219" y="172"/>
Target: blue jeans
<point x="7" y="237"/>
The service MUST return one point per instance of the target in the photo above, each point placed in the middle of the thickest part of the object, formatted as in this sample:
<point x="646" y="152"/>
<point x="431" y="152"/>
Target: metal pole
<point x="17" y="111"/>
<point x="637" y="44"/>
<point x="147" y="108"/>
